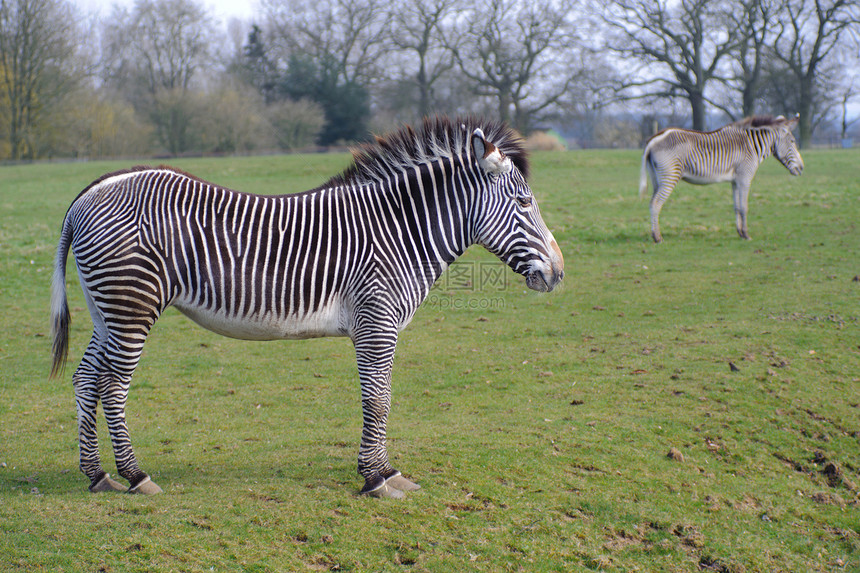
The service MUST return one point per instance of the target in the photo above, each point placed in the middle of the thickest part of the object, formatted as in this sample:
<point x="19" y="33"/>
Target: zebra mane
<point x="758" y="121"/>
<point x="437" y="138"/>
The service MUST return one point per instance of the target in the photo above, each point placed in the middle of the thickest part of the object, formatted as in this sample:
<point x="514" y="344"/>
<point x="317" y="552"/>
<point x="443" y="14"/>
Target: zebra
<point x="354" y="257"/>
<point x="731" y="153"/>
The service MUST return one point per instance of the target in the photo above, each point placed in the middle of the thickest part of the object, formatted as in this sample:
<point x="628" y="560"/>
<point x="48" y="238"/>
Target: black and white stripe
<point x="732" y="153"/>
<point x="354" y="257"/>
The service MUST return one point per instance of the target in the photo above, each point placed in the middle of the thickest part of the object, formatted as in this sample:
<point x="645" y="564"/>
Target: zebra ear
<point x="792" y="123"/>
<point x="490" y="158"/>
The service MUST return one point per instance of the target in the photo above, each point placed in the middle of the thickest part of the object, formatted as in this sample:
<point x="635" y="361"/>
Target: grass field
<point x="538" y="425"/>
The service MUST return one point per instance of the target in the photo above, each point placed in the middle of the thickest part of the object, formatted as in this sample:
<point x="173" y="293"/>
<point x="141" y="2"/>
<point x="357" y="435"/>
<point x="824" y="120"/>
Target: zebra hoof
<point x="397" y="481"/>
<point x="146" y="487"/>
<point x="107" y="484"/>
<point x="385" y="491"/>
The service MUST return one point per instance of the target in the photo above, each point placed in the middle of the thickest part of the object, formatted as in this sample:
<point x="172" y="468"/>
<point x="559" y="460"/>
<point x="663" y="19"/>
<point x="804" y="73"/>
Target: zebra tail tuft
<point x="60" y="317"/>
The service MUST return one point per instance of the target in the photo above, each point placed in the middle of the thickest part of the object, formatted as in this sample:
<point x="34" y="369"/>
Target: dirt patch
<point x="620" y="539"/>
<point x="689" y="536"/>
<point x="710" y="564"/>
<point x="823" y="471"/>
<point x="748" y="504"/>
<point x="842" y="429"/>
<point x="827" y="498"/>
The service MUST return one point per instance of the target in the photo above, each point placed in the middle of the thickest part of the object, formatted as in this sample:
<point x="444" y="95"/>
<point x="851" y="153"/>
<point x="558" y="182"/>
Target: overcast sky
<point x="221" y="9"/>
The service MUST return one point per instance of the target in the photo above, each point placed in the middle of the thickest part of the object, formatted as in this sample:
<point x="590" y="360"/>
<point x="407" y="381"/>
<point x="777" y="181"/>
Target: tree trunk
<point x="805" y="111"/>
<point x="748" y="97"/>
<point x="697" y="107"/>
<point x="423" y="89"/>
<point x="505" y="107"/>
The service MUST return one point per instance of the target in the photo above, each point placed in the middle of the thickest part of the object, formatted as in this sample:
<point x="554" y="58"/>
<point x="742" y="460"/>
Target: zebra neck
<point x="431" y="210"/>
<point x="762" y="142"/>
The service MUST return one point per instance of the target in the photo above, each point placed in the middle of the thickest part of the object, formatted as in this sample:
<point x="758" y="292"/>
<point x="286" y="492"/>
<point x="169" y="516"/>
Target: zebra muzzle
<point x="536" y="280"/>
<point x="547" y="279"/>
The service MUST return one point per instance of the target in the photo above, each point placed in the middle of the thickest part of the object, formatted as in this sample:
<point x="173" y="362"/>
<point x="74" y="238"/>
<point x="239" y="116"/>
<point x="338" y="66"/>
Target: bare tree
<point x="752" y="21"/>
<point x="37" y="68"/>
<point x="348" y="33"/>
<point x="848" y="89"/>
<point x="591" y="100"/>
<point x="848" y="93"/>
<point x="808" y="35"/>
<point x="417" y="31"/>
<point x="172" y="45"/>
<point x="671" y="49"/>
<point x="521" y="54"/>
<point x="331" y="52"/>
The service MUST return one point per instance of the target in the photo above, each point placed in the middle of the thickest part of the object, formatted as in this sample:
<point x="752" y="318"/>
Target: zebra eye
<point x="524" y="201"/>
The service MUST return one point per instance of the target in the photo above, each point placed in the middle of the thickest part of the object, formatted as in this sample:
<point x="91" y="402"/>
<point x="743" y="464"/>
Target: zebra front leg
<point x="375" y="356"/>
<point x="740" y="194"/>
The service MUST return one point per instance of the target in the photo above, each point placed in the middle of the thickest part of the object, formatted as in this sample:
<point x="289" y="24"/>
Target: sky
<point x="224" y="10"/>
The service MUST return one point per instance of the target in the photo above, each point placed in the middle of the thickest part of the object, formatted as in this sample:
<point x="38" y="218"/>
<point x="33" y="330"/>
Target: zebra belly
<point x="696" y="179"/>
<point x="327" y="321"/>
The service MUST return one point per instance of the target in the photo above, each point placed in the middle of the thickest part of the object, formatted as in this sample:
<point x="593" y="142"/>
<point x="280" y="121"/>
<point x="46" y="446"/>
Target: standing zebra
<point x="355" y="257"/>
<point x="731" y="153"/>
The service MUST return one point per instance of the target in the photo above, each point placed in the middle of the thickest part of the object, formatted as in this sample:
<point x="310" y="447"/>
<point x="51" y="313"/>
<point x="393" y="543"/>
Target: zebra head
<point x="785" y="146"/>
<point x="510" y="224"/>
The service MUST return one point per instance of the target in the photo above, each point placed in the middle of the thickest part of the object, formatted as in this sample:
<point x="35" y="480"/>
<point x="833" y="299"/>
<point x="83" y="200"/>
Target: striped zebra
<point x="354" y="257"/>
<point x="731" y="153"/>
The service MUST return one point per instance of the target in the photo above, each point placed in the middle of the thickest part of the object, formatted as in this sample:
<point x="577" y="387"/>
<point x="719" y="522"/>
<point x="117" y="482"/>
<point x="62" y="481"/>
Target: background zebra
<point x="355" y="257"/>
<point x="731" y="153"/>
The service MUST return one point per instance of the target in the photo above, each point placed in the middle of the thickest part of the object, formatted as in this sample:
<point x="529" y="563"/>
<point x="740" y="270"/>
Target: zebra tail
<point x="60" y="317"/>
<point x="643" y="174"/>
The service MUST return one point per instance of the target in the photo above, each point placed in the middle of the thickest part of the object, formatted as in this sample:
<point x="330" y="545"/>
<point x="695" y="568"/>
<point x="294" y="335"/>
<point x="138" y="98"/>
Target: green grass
<point x="538" y="425"/>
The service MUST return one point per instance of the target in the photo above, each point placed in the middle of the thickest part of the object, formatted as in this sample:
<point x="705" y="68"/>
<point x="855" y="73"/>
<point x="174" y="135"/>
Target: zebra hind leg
<point x="664" y="182"/>
<point x="114" y="395"/>
<point x="126" y="462"/>
<point x="120" y="328"/>
<point x="113" y="369"/>
<point x="86" y="401"/>
<point x="656" y="206"/>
